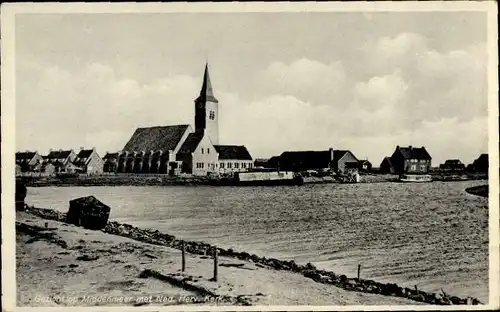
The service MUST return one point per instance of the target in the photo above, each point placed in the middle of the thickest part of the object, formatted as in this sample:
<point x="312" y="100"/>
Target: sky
<point x="285" y="81"/>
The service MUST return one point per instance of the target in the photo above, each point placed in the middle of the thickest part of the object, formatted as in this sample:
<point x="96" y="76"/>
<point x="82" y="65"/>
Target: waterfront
<point x="433" y="235"/>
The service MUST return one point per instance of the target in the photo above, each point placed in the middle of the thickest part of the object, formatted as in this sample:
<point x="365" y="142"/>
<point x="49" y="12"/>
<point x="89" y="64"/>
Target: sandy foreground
<point x="65" y="265"/>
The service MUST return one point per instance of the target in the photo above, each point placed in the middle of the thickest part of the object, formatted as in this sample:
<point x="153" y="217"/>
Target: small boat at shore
<point x="415" y="178"/>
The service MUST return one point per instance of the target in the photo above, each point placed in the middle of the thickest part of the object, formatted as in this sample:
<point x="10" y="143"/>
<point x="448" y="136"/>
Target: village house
<point x="178" y="148"/>
<point x="48" y="168"/>
<point x="18" y="170"/>
<point x="411" y="160"/>
<point x="343" y="160"/>
<point x="260" y="162"/>
<point x="386" y="165"/>
<point x="88" y="161"/>
<point x="28" y="161"/>
<point x="452" y="165"/>
<point x="233" y="158"/>
<point x="365" y="165"/>
<point x="62" y="160"/>
<point x="110" y="162"/>
<point x="481" y="164"/>
<point x="336" y="160"/>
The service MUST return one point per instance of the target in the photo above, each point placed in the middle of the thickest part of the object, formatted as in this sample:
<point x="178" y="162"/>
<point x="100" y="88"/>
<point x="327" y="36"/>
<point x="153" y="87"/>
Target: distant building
<point x="62" y="160"/>
<point x="48" y="168"/>
<point x="337" y="160"/>
<point x="481" y="164"/>
<point x="386" y="165"/>
<point x="18" y="170"/>
<point x="273" y="163"/>
<point x="89" y="161"/>
<point x="411" y="160"/>
<point x="365" y="165"/>
<point x="452" y="165"/>
<point x="233" y="158"/>
<point x="180" y="149"/>
<point x="305" y="160"/>
<point x="110" y="162"/>
<point x="343" y="160"/>
<point x="260" y="162"/>
<point x="28" y="161"/>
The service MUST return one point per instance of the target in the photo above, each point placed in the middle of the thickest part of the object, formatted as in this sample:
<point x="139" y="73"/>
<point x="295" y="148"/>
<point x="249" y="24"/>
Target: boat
<point x="260" y="178"/>
<point x="415" y="178"/>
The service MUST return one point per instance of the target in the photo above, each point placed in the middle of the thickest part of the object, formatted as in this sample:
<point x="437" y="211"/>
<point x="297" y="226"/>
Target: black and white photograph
<point x="250" y="155"/>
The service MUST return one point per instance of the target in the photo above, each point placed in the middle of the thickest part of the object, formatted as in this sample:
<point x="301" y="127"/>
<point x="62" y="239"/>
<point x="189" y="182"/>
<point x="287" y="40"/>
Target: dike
<point x="156" y="237"/>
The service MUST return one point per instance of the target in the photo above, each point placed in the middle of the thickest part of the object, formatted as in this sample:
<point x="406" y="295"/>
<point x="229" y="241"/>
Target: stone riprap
<point x="308" y="270"/>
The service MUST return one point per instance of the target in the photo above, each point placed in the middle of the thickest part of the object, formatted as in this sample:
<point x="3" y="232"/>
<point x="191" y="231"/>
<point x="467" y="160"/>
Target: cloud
<point x="305" y="79"/>
<point x="93" y="107"/>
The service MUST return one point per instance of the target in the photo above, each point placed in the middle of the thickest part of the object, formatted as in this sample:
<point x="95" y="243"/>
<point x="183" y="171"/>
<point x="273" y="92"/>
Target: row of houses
<point x="479" y="165"/>
<point x="417" y="160"/>
<point x="86" y="161"/>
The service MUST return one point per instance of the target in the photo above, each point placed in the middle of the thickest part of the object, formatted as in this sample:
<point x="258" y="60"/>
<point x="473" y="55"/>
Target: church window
<point x="236" y="165"/>
<point x="202" y="150"/>
<point x="212" y="115"/>
<point x="229" y="165"/>
<point x="222" y="165"/>
<point x="243" y="165"/>
<point x="208" y="150"/>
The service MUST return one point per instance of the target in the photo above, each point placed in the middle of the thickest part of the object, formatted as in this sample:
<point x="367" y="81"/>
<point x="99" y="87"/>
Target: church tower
<point x="206" y="118"/>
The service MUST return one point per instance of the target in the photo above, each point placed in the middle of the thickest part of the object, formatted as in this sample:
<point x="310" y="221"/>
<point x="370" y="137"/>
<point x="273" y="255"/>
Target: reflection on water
<point x="433" y="235"/>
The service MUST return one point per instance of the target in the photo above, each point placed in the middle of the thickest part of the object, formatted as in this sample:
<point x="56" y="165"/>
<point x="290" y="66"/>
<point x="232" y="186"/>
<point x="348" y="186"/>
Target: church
<point x="179" y="149"/>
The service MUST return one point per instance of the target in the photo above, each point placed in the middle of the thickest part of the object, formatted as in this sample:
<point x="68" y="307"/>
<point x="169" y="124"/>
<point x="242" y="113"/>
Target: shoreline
<point x="165" y="180"/>
<point x="60" y="264"/>
<point x="156" y="237"/>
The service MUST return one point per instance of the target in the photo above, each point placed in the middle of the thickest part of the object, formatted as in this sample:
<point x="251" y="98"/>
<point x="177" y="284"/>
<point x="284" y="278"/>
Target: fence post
<point x="183" y="256"/>
<point x="359" y="270"/>
<point x="215" y="264"/>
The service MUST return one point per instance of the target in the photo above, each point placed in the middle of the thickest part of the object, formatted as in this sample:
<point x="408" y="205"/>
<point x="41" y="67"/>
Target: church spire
<point x="207" y="93"/>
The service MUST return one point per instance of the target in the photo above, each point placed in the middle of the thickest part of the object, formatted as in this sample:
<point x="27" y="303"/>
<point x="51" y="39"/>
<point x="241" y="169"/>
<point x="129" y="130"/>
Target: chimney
<point x="411" y="147"/>
<point x="81" y="148"/>
<point x="397" y="146"/>
<point x="331" y="154"/>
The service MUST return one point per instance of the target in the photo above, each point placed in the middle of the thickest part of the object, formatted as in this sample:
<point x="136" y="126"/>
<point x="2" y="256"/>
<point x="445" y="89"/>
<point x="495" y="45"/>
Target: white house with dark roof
<point x="89" y="161"/>
<point x="233" y="158"/>
<point x="62" y="160"/>
<point x="28" y="161"/>
<point x="180" y="149"/>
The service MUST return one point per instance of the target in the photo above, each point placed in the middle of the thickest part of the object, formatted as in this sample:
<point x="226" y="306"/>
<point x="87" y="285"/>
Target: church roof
<point x="163" y="138"/>
<point x="238" y="152"/>
<point x="191" y="143"/>
<point x="206" y="93"/>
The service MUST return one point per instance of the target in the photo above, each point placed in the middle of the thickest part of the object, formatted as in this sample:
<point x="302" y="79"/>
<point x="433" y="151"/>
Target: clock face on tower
<point x="200" y="105"/>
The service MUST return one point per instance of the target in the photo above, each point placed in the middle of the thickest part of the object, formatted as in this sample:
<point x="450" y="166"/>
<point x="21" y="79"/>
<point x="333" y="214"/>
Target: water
<point x="433" y="235"/>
